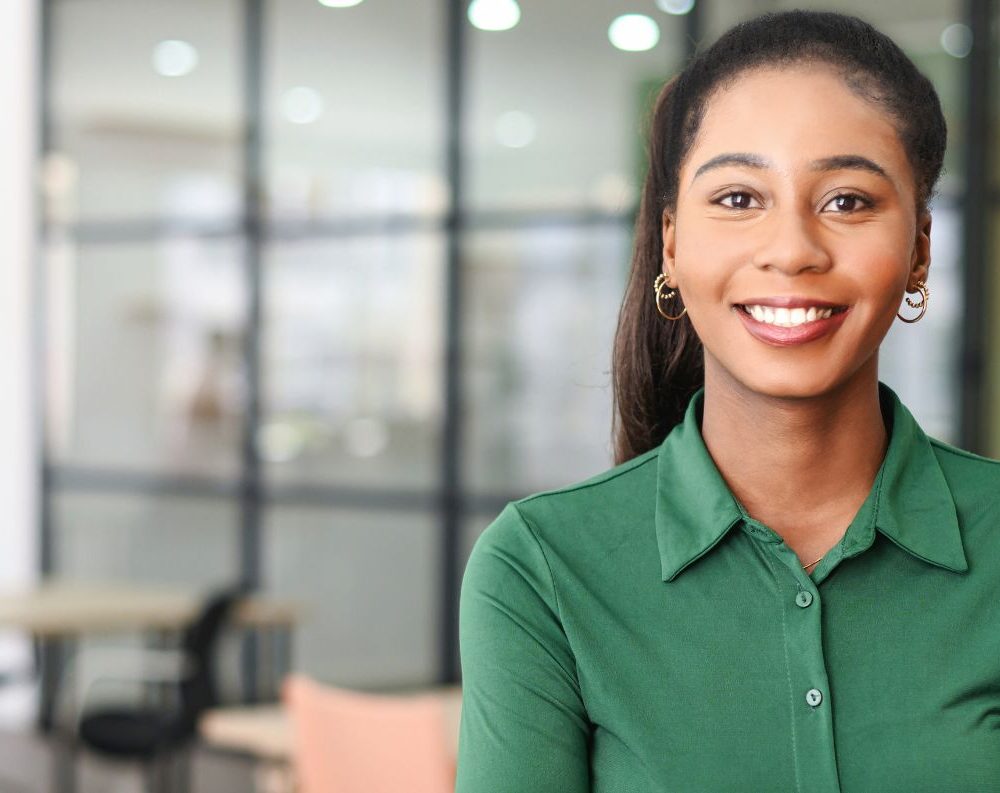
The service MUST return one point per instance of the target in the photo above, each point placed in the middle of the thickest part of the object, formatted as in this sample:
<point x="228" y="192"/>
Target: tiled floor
<point x="29" y="764"/>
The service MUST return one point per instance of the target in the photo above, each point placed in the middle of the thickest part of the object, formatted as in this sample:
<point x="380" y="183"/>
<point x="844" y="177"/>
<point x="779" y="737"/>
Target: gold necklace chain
<point x="812" y="563"/>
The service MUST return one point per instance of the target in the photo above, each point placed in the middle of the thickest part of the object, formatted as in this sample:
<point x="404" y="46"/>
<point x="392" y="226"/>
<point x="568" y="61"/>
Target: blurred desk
<point x="263" y="731"/>
<point x="58" y="613"/>
<point x="265" y="734"/>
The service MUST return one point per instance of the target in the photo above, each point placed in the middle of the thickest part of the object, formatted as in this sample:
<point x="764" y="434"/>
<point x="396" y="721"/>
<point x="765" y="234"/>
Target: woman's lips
<point x="781" y="336"/>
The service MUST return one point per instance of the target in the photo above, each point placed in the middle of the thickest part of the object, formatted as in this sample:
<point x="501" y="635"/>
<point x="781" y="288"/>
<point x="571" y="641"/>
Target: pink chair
<point x="352" y="742"/>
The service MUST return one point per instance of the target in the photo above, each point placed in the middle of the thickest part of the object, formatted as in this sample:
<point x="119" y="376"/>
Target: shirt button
<point x="814" y="696"/>
<point x="803" y="598"/>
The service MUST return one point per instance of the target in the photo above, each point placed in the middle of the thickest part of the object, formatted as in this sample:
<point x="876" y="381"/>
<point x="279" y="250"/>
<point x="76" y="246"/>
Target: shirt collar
<point x="910" y="501"/>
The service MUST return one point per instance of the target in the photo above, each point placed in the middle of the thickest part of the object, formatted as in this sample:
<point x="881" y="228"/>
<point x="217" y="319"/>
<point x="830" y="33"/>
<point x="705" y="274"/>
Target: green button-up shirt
<point x="638" y="632"/>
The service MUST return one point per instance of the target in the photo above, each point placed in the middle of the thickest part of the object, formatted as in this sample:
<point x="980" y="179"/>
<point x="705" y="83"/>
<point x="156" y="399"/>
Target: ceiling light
<point x="173" y="58"/>
<point x="339" y="3"/>
<point x="302" y="105"/>
<point x="634" y="33"/>
<point x="956" y="40"/>
<point x="677" y="7"/>
<point x="494" y="14"/>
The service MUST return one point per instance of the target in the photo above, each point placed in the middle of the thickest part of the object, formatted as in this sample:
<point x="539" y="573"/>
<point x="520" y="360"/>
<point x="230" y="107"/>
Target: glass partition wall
<point x="325" y="286"/>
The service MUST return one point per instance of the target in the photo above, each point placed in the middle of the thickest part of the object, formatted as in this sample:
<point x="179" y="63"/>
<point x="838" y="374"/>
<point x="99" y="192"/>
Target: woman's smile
<point x="797" y="322"/>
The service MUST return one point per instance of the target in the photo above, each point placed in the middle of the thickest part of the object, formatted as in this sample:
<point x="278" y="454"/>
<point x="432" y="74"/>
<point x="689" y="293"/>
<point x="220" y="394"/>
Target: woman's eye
<point x="737" y="200"/>
<point x="847" y="203"/>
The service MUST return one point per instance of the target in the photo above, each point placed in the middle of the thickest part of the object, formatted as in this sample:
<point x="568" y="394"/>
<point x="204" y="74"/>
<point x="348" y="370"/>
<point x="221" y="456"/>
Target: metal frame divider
<point x="253" y="222"/>
<point x="973" y="374"/>
<point x="451" y="512"/>
<point x="48" y="654"/>
<point x="46" y="550"/>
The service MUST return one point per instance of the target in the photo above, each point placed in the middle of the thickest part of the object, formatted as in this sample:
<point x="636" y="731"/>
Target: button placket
<point x="812" y="710"/>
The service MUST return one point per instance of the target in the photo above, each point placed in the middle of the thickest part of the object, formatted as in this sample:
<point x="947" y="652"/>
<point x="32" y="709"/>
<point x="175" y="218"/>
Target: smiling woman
<point x="784" y="583"/>
<point x="824" y="212"/>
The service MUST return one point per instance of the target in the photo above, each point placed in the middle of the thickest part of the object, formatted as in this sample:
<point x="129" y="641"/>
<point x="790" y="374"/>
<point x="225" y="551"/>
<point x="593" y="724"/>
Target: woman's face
<point x="795" y="233"/>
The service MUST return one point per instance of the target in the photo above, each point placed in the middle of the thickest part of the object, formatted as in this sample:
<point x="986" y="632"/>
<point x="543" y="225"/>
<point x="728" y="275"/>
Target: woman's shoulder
<point x="621" y="485"/>
<point x="595" y="506"/>
<point x="953" y="459"/>
<point x="974" y="482"/>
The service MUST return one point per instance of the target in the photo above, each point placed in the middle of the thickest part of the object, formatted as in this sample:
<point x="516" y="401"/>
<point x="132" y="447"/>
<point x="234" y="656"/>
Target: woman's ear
<point x="921" y="259"/>
<point x="669" y="238"/>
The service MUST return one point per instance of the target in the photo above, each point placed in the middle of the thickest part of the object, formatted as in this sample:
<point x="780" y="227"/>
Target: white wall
<point x="18" y="465"/>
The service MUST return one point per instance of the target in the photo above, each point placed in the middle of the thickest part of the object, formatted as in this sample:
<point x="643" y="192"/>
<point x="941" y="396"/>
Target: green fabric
<point x="639" y="632"/>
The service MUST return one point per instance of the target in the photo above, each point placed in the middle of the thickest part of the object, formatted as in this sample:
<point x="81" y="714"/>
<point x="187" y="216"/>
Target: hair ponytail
<point x="656" y="363"/>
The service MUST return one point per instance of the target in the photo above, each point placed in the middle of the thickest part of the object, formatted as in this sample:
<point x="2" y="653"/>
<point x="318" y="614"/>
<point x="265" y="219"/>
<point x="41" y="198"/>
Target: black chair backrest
<point x="199" y="691"/>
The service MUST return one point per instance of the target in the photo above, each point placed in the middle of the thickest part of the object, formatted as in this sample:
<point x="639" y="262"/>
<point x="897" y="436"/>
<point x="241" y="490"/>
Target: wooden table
<point x="62" y="608"/>
<point x="265" y="734"/>
<point x="57" y="613"/>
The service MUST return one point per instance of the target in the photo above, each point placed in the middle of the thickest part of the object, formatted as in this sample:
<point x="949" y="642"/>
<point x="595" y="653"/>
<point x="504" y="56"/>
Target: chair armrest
<point x="119" y="664"/>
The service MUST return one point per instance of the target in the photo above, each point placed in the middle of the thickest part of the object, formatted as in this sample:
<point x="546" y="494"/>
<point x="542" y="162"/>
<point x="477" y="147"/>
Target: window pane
<point x="145" y="368"/>
<point x="369" y="583"/>
<point x="130" y="140"/>
<point x="153" y="540"/>
<point x="555" y="110"/>
<point x="542" y="306"/>
<point x="354" y="109"/>
<point x="353" y="349"/>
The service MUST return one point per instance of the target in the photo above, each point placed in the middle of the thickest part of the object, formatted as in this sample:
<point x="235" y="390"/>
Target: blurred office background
<point x="315" y="287"/>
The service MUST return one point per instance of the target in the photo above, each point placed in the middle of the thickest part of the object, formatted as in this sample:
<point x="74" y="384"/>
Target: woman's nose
<point x="790" y="243"/>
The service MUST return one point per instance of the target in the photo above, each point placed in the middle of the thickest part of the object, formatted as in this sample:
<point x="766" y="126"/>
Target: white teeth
<point x="788" y="317"/>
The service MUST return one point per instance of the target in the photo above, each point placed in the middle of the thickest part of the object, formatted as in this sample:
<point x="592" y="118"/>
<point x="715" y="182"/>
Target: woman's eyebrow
<point x="849" y="162"/>
<point x="732" y="158"/>
<point x="839" y="162"/>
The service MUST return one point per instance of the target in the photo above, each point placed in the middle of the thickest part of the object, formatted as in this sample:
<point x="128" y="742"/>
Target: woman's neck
<point x="801" y="466"/>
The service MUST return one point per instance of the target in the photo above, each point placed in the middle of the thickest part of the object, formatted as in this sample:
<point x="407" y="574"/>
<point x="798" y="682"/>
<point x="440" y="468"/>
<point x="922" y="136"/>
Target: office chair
<point x="161" y="737"/>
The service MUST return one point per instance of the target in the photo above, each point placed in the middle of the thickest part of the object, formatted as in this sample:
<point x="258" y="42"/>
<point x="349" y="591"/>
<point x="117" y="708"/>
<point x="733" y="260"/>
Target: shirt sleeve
<point x="524" y="727"/>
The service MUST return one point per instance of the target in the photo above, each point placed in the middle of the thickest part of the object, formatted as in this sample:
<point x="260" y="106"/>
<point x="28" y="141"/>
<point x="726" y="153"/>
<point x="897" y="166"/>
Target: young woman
<point x="784" y="584"/>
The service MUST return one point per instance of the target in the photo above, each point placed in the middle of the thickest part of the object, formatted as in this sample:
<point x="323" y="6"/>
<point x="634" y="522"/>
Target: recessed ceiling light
<point x="174" y="58"/>
<point x="956" y="40"/>
<point x="678" y="7"/>
<point x="515" y="129"/>
<point x="339" y="3"/>
<point x="494" y="14"/>
<point x="634" y="33"/>
<point x="302" y="105"/>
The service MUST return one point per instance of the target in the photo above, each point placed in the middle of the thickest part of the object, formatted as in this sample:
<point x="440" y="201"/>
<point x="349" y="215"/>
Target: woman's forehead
<point x="794" y="116"/>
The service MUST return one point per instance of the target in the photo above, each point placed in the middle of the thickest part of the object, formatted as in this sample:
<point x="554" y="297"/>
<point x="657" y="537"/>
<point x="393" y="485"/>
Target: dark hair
<point x="657" y="365"/>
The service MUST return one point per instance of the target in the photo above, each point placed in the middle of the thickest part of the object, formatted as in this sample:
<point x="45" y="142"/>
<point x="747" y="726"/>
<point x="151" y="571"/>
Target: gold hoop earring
<point x="925" y="293"/>
<point x="658" y="284"/>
